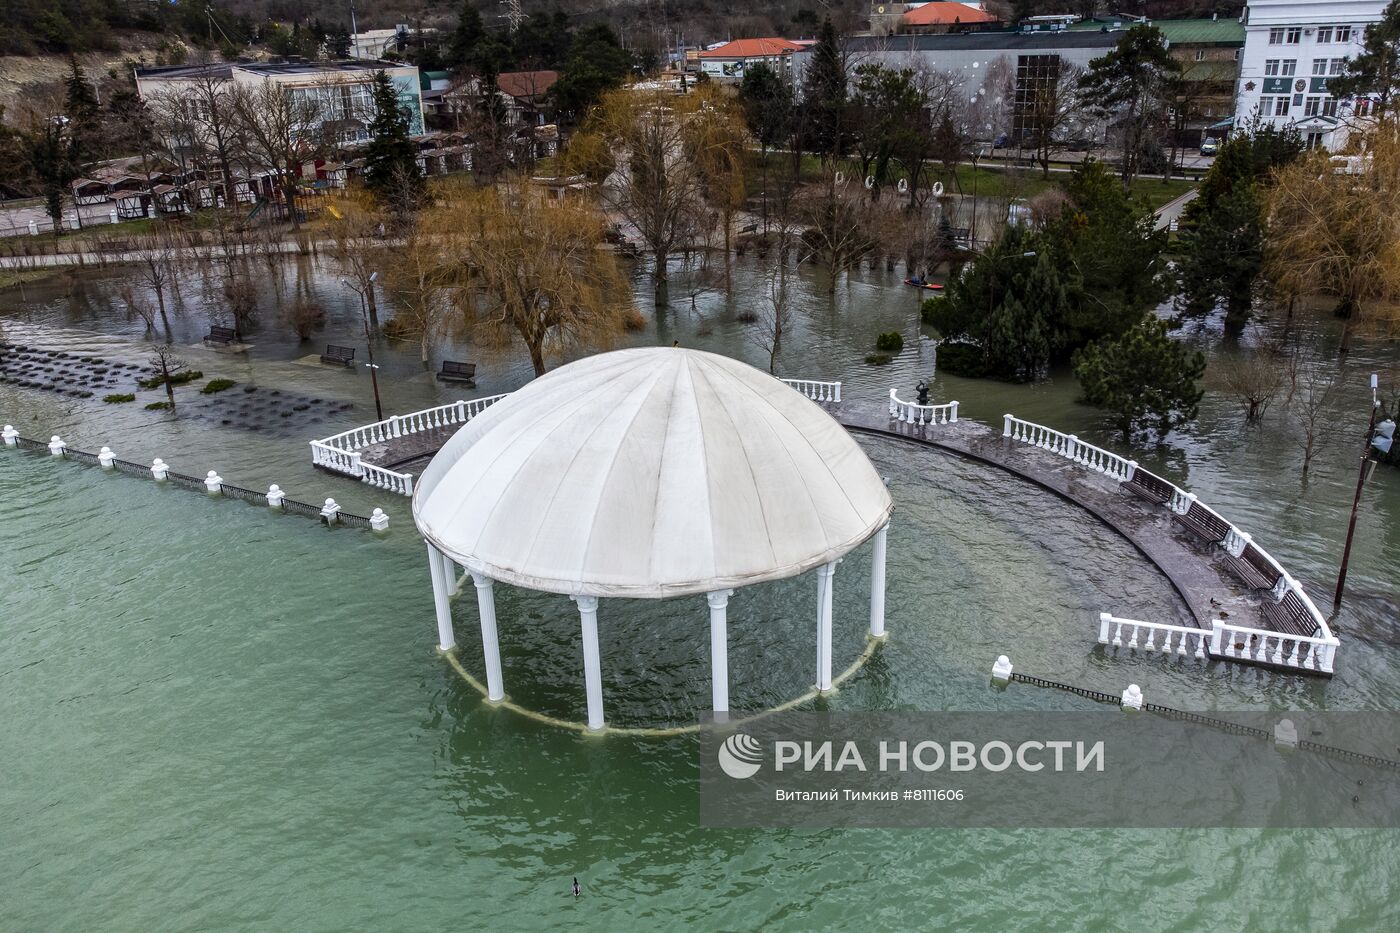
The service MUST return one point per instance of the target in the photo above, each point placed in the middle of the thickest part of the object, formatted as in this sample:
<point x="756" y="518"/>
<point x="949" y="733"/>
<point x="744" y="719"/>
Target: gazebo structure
<point x="647" y="474"/>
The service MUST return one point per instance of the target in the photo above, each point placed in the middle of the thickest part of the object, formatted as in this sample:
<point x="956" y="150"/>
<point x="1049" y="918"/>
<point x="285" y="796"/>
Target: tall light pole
<point x="1356" y="500"/>
<point x="369" y="348"/>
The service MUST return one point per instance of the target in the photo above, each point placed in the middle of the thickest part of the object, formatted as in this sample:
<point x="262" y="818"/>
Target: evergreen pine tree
<point x="391" y="159"/>
<point x="824" y="93"/>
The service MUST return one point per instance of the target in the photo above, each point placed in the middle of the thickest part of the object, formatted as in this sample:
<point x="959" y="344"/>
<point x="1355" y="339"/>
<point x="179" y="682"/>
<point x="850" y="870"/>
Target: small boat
<point x="928" y="285"/>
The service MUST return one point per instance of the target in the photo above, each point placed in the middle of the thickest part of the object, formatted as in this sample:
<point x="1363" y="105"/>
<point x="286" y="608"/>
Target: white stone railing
<point x="1069" y="447"/>
<point x="341" y="452"/>
<point x="1290" y="649"/>
<point x="914" y="413"/>
<point x="1277" y="648"/>
<point x="1144" y="634"/>
<point x="815" y="390"/>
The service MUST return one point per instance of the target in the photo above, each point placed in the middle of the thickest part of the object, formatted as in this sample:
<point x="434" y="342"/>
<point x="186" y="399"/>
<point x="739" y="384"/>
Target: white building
<point x="1291" y="49"/>
<point x="374" y="44"/>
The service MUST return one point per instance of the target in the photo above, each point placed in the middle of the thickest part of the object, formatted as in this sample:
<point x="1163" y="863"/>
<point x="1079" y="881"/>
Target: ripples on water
<point x="217" y="717"/>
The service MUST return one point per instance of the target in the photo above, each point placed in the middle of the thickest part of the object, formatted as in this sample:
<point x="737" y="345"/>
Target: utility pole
<point x="1356" y="500"/>
<point x="369" y="351"/>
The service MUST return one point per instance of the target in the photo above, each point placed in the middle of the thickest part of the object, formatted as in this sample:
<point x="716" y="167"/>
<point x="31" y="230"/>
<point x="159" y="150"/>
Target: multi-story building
<point x="341" y="91"/>
<point x="1292" y="48"/>
<point x="727" y="62"/>
<point x="934" y="16"/>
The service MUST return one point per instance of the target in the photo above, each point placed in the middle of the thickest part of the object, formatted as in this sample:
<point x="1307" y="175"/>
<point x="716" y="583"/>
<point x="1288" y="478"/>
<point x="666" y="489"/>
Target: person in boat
<point x="916" y="279"/>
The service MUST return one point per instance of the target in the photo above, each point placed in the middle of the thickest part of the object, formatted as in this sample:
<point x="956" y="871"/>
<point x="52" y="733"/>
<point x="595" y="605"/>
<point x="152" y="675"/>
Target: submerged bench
<point x="1253" y="568"/>
<point x="1204" y="522"/>
<point x="453" y="371"/>
<point x="1289" y="614"/>
<point x="1149" y="486"/>
<point x="345" y="356"/>
<point x="221" y="335"/>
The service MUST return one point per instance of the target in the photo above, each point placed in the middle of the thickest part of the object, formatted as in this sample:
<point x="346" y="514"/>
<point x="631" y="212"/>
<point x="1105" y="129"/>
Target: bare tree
<point x="166" y="364"/>
<point x="837" y="227"/>
<point x="1053" y="106"/>
<point x="654" y="183"/>
<point x="280" y="130"/>
<point x="155" y="269"/>
<point x="1255" y="380"/>
<point x="773" y="319"/>
<point x="356" y="227"/>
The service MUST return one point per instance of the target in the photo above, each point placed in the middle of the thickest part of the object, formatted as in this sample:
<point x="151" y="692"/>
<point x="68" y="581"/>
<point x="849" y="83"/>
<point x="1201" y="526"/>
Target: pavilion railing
<point x="815" y="390"/>
<point x="341" y="453"/>
<point x="916" y="414"/>
<point x="1132" y="633"/>
<point x="1280" y="593"/>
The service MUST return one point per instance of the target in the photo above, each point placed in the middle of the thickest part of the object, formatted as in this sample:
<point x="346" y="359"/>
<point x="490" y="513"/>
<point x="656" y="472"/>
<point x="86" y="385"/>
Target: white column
<point x="446" y="640"/>
<point x="490" y="648"/>
<point x="592" y="668"/>
<point x="825" y="575"/>
<point x="877" y="584"/>
<point x="719" y="649"/>
<point x="449" y="573"/>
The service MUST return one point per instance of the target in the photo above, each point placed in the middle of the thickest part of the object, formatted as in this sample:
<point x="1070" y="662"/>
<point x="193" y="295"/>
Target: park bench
<point x="345" y="356"/>
<point x="221" y="335"/>
<point x="453" y="371"/>
<point x="1289" y="615"/>
<point x="1149" y="486"/>
<point x="1253" y="568"/>
<point x="1203" y="522"/>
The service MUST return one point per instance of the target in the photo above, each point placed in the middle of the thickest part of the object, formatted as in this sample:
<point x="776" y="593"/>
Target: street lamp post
<point x="369" y="350"/>
<point x="1356" y="500"/>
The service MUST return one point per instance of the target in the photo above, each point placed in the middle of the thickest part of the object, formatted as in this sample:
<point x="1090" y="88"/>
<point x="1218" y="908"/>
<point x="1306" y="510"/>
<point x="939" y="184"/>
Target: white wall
<point x="1312" y="22"/>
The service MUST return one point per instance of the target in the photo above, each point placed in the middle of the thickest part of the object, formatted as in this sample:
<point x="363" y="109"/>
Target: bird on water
<point x="577" y="890"/>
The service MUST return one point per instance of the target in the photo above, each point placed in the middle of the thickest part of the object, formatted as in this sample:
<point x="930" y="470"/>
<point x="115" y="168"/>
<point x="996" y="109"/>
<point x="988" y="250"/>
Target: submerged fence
<point x="328" y="513"/>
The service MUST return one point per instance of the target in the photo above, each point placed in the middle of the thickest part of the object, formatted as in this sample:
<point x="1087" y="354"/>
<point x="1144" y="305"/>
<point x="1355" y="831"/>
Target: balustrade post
<point x="331" y="512"/>
<point x="106" y="458"/>
<point x="1104" y="621"/>
<point x="275" y="495"/>
<point x="378" y="521"/>
<point x="953" y="417"/>
<point x="1071" y="447"/>
<point x="159" y="470"/>
<point x="356" y="468"/>
<point x="1005" y="425"/>
<point x="56" y="446"/>
<point x="10" y="436"/>
<point x="1131" y="471"/>
<point x="214" y="483"/>
<point x="1217" y="636"/>
<point x="838" y="393"/>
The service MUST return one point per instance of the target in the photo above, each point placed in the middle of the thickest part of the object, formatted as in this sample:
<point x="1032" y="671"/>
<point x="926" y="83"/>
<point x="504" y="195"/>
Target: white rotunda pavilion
<point x="645" y="474"/>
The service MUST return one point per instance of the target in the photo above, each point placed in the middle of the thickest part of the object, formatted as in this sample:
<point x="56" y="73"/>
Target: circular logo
<point x="740" y="756"/>
<point x="1300" y="85"/>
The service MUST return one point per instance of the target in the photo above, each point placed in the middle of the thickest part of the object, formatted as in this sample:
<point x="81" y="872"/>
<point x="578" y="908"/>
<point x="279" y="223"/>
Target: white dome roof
<point x="649" y="473"/>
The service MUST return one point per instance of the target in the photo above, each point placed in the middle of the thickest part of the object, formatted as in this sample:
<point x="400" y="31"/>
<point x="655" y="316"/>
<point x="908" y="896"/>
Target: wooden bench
<point x="345" y="356"/>
<point x="1149" y="486"/>
<point x="453" y="371"/>
<point x="1203" y="522"/>
<point x="1253" y="568"/>
<point x="1289" y="615"/>
<point x="221" y="335"/>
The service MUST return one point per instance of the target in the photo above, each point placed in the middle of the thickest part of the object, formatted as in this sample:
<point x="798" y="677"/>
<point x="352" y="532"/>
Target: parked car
<point x="1209" y="146"/>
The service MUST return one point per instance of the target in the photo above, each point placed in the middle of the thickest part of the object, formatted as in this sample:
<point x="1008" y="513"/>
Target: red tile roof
<point x="526" y="85"/>
<point x="945" y="13"/>
<point x="752" y="48"/>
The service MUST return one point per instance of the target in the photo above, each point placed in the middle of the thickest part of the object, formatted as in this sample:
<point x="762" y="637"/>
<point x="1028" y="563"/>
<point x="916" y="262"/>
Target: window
<point x="1312" y="106"/>
<point x="1319" y="66"/>
<point x="1271" y="67"/>
<point x="1266" y="106"/>
<point x="1337" y="67"/>
<point x="1362" y="107"/>
<point x="1200" y="55"/>
<point x="1290" y="67"/>
<point x="1324" y="34"/>
<point x="1276" y="36"/>
<point x="1280" y="106"/>
<point x="1343" y="33"/>
<point x="1293" y="35"/>
<point x="1237" y="54"/>
<point x="1329" y="107"/>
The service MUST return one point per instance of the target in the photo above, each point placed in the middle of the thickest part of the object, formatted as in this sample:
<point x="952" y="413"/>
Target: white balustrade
<point x="920" y="415"/>
<point x="1069" y="447"/>
<point x="1281" y="649"/>
<point x="815" y="390"/>
<point x="341" y="452"/>
<point x="1152" y="636"/>
<point x="401" y="483"/>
